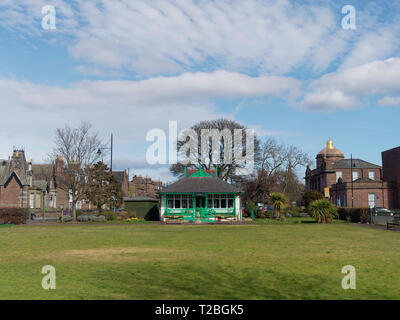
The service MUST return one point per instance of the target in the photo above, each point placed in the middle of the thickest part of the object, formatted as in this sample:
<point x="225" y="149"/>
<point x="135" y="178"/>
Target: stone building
<point x="25" y="185"/>
<point x="351" y="182"/>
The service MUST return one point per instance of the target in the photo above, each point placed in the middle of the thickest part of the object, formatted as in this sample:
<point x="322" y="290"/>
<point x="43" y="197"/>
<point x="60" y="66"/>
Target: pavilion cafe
<point x="200" y="197"/>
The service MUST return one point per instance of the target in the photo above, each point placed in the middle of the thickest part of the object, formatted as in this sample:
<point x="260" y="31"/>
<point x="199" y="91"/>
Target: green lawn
<point x="252" y="261"/>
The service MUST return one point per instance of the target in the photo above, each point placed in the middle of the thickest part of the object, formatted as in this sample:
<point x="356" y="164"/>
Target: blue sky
<point x="289" y="70"/>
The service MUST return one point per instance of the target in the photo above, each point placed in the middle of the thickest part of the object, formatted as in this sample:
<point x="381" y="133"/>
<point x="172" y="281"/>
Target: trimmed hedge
<point x="355" y="214"/>
<point x="13" y="215"/>
<point x="66" y="218"/>
<point x="91" y="218"/>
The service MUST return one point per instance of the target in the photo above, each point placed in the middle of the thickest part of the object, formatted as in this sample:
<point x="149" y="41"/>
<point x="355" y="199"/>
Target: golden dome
<point x="330" y="150"/>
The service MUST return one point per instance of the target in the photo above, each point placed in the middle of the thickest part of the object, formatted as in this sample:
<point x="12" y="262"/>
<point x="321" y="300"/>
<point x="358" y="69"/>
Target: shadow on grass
<point x="193" y="281"/>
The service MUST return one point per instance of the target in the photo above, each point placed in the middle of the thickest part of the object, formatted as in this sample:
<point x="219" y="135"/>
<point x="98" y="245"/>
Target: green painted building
<point x="143" y="207"/>
<point x="201" y="197"/>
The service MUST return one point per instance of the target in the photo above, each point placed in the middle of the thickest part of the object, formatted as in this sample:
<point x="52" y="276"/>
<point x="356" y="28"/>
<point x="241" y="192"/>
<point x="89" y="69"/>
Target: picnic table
<point x="220" y="217"/>
<point x="173" y="217"/>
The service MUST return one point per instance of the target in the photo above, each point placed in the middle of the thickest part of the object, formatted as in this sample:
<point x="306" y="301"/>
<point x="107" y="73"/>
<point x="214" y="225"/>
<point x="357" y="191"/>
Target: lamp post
<point x="111" y="148"/>
<point x="352" y="181"/>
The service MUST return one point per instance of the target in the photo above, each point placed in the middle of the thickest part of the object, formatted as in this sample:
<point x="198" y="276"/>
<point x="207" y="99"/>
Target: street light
<point x="111" y="148"/>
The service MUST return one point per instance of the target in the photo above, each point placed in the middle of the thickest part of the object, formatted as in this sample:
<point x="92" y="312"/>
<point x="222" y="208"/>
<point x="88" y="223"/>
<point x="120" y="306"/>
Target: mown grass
<point x="250" y="261"/>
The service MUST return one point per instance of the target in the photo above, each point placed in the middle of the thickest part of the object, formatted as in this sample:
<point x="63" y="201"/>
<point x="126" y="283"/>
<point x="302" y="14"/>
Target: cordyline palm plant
<point x="279" y="201"/>
<point x="323" y="211"/>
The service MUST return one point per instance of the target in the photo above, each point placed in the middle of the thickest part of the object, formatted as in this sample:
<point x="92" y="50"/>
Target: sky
<point x="291" y="70"/>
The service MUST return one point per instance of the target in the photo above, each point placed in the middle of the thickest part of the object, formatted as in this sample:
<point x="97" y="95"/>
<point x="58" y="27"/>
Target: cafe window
<point x="179" y="201"/>
<point x="217" y="201"/>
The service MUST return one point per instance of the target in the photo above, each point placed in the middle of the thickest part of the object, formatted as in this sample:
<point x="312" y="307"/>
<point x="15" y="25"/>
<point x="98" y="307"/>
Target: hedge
<point x="13" y="215"/>
<point x="362" y="215"/>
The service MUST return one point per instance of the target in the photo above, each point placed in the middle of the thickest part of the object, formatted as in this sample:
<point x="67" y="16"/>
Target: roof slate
<point x="357" y="163"/>
<point x="200" y="184"/>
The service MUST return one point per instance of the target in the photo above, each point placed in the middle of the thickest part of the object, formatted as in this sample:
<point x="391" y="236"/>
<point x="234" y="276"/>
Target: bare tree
<point x="225" y="147"/>
<point x="277" y="172"/>
<point x="78" y="147"/>
<point x="277" y="157"/>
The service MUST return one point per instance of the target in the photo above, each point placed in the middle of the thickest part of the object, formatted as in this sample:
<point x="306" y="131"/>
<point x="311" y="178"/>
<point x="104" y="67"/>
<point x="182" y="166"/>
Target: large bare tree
<point x="78" y="147"/>
<point x="222" y="134"/>
<point x="277" y="172"/>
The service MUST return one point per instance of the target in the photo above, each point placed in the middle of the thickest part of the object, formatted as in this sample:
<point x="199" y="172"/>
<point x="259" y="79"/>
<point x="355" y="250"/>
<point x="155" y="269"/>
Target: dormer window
<point x="371" y="175"/>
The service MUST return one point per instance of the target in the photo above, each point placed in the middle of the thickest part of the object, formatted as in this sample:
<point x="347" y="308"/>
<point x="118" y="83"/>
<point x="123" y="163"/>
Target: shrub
<point x="79" y="213"/>
<point x="293" y="211"/>
<point x="13" y="215"/>
<point x="83" y="218"/>
<point x="250" y="206"/>
<point x="303" y="215"/>
<point x="93" y="218"/>
<point x="110" y="215"/>
<point x="355" y="214"/>
<point x="66" y="218"/>
<point x="123" y="215"/>
<point x="279" y="201"/>
<point x="132" y="214"/>
<point x="323" y="211"/>
<point x="269" y="214"/>
<point x="311" y="196"/>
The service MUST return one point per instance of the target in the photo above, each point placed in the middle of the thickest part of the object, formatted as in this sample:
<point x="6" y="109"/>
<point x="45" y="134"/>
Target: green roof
<point x="200" y="173"/>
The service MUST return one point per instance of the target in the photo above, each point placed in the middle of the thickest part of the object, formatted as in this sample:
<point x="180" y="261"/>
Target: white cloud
<point x="343" y="89"/>
<point x="328" y="100"/>
<point x="389" y="101"/>
<point x="127" y="108"/>
<point x="176" y="36"/>
<point x="170" y="37"/>
<point x="375" y="45"/>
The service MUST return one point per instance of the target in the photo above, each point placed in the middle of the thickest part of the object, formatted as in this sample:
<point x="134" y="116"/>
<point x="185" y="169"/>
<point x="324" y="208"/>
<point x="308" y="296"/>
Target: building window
<point x="218" y="201"/>
<point x="372" y="200"/>
<point x="339" y="175"/>
<point x="32" y="201"/>
<point x="371" y="175"/>
<point x="355" y="175"/>
<point x="179" y="201"/>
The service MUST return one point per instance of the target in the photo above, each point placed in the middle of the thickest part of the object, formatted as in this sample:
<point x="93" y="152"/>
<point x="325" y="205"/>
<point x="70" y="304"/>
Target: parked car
<point x="383" y="211"/>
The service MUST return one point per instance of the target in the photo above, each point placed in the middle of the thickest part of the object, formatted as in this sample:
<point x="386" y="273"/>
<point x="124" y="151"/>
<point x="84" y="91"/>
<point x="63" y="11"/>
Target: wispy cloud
<point x="344" y="89"/>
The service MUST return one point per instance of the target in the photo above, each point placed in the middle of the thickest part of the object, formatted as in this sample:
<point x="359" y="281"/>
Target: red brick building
<point x="351" y="182"/>
<point x="391" y="173"/>
<point x="144" y="186"/>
